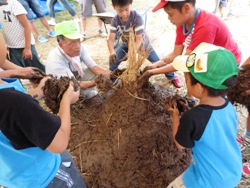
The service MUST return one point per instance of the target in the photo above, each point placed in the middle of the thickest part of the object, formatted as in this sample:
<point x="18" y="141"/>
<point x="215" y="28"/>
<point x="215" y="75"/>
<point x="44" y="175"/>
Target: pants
<point x="153" y="57"/>
<point x="64" y="3"/>
<point x="32" y="5"/>
<point x="67" y="176"/>
<point x="86" y="7"/>
<point x="16" y="57"/>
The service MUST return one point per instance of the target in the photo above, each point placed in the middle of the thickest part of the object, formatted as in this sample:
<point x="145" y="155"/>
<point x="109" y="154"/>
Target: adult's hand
<point x="27" y="54"/>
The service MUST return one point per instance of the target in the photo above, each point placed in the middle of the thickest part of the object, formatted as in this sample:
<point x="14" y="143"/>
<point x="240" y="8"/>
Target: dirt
<point x="124" y="140"/>
<point x="121" y="140"/>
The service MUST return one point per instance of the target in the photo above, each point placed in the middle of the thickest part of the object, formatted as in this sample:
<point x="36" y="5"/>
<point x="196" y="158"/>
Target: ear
<point x="199" y="89"/>
<point x="186" y="8"/>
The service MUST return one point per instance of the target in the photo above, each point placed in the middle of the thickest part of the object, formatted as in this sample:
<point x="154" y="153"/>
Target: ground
<point x="117" y="133"/>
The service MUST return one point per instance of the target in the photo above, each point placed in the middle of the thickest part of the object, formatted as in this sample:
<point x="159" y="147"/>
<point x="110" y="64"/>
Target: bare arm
<point x="61" y="139"/>
<point x="138" y="41"/>
<point x="27" y="35"/>
<point x="100" y="70"/>
<point x="3" y="50"/>
<point x="110" y="42"/>
<point x="174" y="114"/>
<point x="178" y="49"/>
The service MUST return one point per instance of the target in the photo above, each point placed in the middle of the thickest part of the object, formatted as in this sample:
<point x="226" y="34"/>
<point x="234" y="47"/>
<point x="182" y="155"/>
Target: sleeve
<point x="179" y="39"/>
<point x="38" y="125"/>
<point x="138" y="24"/>
<point x="113" y="24"/>
<point x="192" y="125"/>
<point x="17" y="8"/>
<point x="86" y="58"/>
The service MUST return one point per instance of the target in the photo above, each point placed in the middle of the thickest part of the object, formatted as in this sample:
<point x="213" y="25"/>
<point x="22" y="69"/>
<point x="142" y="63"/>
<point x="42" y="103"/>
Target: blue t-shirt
<point x="211" y="133"/>
<point x="24" y="162"/>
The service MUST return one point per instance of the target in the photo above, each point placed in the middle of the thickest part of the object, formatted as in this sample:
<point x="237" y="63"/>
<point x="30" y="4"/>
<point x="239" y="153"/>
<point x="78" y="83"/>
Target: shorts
<point x="177" y="183"/>
<point x="86" y="7"/>
<point x="32" y="5"/>
<point x="68" y="176"/>
<point x="223" y="3"/>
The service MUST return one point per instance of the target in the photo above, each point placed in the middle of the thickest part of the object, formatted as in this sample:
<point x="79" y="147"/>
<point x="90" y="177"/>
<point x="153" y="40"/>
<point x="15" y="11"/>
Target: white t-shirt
<point x="13" y="30"/>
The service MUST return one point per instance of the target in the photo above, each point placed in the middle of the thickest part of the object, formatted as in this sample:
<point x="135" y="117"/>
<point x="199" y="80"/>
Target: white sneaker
<point x="102" y="34"/>
<point x="51" y="22"/>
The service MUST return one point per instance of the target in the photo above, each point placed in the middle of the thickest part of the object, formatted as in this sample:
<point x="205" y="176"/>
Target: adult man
<point x="71" y="58"/>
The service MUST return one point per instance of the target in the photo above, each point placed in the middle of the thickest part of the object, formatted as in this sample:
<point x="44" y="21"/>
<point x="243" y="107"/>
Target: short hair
<point x="179" y="5"/>
<point x="121" y="3"/>
<point x="212" y="92"/>
<point x="60" y="38"/>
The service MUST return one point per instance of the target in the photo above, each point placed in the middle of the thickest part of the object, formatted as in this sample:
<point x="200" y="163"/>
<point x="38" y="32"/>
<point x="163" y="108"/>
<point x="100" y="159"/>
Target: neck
<point x="191" y="18"/>
<point x="212" y="101"/>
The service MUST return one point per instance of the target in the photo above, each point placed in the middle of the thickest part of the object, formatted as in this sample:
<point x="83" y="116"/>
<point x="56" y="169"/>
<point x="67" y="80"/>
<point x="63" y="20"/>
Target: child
<point x="34" y="5"/>
<point x="122" y="23"/>
<point x="17" y="34"/>
<point x="210" y="128"/>
<point x="35" y="139"/>
<point x="193" y="26"/>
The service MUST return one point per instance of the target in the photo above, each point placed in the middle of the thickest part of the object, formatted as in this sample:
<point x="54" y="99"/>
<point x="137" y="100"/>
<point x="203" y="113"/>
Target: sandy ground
<point x="162" y="35"/>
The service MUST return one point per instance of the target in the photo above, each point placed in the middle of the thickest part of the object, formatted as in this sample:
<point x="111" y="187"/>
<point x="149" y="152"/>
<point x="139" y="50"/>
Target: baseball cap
<point x="3" y="2"/>
<point x="163" y="3"/>
<point x="209" y="64"/>
<point x="69" y="29"/>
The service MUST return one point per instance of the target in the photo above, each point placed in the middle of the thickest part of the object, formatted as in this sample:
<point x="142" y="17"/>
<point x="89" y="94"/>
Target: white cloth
<point x="74" y="62"/>
<point x="13" y="30"/>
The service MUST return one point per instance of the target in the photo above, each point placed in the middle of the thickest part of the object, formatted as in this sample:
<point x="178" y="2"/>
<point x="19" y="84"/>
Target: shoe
<point x="77" y="20"/>
<point x="42" y="39"/>
<point x="102" y="34"/>
<point x="246" y="169"/>
<point x="244" y="142"/>
<point x="51" y="22"/>
<point x="52" y="34"/>
<point x="177" y="82"/>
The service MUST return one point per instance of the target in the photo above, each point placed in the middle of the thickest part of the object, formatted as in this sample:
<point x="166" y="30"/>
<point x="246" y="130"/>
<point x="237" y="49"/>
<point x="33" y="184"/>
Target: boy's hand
<point x="116" y="73"/>
<point x="28" y="73"/>
<point x="147" y="68"/>
<point x="27" y="54"/>
<point x="112" y="59"/>
<point x="71" y="94"/>
<point x="173" y="110"/>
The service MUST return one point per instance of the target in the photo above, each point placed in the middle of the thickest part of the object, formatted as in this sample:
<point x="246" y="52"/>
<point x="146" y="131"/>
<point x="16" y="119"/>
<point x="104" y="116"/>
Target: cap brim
<point x="74" y="36"/>
<point x="179" y="63"/>
<point x="3" y="3"/>
<point x="159" y="6"/>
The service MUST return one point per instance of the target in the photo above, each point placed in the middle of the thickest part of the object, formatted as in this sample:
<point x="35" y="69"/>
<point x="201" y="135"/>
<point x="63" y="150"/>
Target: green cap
<point x="209" y="64"/>
<point x="69" y="29"/>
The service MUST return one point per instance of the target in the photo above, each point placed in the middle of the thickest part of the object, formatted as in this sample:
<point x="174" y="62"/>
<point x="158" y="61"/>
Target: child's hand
<point x="27" y="54"/>
<point x="112" y="59"/>
<point x="71" y="95"/>
<point x="173" y="110"/>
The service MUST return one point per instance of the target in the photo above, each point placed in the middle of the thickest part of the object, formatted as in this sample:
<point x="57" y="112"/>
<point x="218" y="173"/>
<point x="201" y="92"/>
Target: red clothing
<point x="208" y="28"/>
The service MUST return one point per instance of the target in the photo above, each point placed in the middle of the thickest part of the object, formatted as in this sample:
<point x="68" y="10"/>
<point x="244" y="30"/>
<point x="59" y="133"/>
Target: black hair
<point x="179" y="5"/>
<point x="121" y="3"/>
<point x="59" y="38"/>
<point x="230" y="82"/>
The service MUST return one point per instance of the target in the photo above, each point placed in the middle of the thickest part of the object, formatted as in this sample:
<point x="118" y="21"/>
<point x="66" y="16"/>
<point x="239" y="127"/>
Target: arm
<point x="27" y="35"/>
<point x="3" y="50"/>
<point x="138" y="41"/>
<point x="174" y="114"/>
<point x="178" y="49"/>
<point x="100" y="70"/>
<point x="61" y="139"/>
<point x="110" y="43"/>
